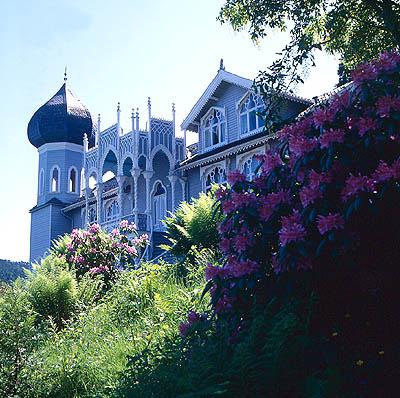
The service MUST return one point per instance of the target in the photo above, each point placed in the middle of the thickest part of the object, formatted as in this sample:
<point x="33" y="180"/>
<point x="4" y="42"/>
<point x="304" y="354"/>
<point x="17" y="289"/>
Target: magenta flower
<point x="228" y="206"/>
<point x="235" y="177"/>
<point x="364" y="125"/>
<point x="94" y="228"/>
<point x="355" y="184"/>
<point x="363" y="73"/>
<point x="224" y="304"/>
<point x="221" y="192"/>
<point x="292" y="230"/>
<point x="329" y="222"/>
<point x="309" y="194"/>
<point x="322" y="116"/>
<point x="388" y="61"/>
<point x="225" y="245"/>
<point x="270" y="161"/>
<point x="302" y="145"/>
<point x="315" y="179"/>
<point x="242" y="268"/>
<point x="331" y="136"/>
<point x="213" y="272"/>
<point x="386" y="104"/>
<point x="396" y="169"/>
<point x="183" y="329"/>
<point x="383" y="172"/>
<point x="241" y="243"/>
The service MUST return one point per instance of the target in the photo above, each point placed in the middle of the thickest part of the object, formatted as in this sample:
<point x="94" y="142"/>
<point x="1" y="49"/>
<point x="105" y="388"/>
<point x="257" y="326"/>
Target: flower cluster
<point x="96" y="252"/>
<point x="314" y="205"/>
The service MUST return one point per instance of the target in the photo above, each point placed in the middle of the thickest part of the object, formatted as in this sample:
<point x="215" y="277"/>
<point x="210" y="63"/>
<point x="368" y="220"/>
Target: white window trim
<point x="204" y="171"/>
<point x="239" y="114"/>
<point x="51" y="179"/>
<point x="108" y="204"/>
<point x="41" y="188"/>
<point x="76" y="180"/>
<point x="203" y="138"/>
<point x="243" y="158"/>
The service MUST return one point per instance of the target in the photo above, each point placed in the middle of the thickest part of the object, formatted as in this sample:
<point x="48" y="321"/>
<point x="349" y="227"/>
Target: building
<point x="152" y="169"/>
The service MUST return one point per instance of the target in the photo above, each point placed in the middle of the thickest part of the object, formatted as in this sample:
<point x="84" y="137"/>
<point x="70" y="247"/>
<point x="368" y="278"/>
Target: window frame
<point x="212" y="113"/>
<point x="257" y="99"/>
<point x="55" y="167"/>
<point x="73" y="168"/>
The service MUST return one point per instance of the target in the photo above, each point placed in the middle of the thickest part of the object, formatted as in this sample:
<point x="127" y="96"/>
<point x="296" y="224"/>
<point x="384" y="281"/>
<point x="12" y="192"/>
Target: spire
<point x="65" y="74"/>
<point x="221" y="64"/>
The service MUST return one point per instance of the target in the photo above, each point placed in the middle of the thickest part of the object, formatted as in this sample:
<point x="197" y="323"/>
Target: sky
<point x="114" y="51"/>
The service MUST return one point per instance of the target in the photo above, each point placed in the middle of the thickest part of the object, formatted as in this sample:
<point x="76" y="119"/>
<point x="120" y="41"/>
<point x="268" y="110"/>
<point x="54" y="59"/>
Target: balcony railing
<point x="141" y="225"/>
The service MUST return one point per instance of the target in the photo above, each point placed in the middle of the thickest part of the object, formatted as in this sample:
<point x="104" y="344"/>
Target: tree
<point x="355" y="30"/>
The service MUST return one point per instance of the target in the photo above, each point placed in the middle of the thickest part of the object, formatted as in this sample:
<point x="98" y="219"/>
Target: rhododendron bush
<point x="326" y="198"/>
<point x="96" y="252"/>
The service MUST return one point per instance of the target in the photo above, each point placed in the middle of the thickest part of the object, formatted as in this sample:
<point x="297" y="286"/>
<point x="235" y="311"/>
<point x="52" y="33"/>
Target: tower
<point x="57" y="130"/>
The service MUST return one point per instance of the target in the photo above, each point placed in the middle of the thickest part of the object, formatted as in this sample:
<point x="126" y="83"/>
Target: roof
<point x="52" y="201"/>
<point x="63" y="118"/>
<point x="228" y="77"/>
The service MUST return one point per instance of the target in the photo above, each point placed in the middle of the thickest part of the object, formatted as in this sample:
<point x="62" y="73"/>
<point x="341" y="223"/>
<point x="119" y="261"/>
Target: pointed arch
<point x="167" y="153"/>
<point x="55" y="179"/>
<point x="73" y="180"/>
<point x="250" y="108"/>
<point x="109" y="162"/>
<point x="41" y="182"/>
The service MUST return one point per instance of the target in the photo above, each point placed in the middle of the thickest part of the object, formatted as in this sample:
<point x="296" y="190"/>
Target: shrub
<point x="193" y="227"/>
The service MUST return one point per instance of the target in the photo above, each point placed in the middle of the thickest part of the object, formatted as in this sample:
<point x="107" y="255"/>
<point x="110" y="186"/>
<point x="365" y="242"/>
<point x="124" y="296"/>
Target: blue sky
<point x="115" y="51"/>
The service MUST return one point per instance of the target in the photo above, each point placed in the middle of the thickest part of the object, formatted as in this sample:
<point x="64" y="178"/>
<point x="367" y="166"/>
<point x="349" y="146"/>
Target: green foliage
<point x="193" y="227"/>
<point x="355" y="30"/>
<point x="18" y="338"/>
<point x="11" y="270"/>
<point x="52" y="292"/>
<point x="87" y="357"/>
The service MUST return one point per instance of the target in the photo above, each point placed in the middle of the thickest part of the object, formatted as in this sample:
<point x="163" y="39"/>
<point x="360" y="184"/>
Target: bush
<point x="193" y="227"/>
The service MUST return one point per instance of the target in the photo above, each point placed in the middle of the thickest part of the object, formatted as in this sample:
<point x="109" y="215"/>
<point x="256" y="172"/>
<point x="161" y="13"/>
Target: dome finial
<point x="65" y="74"/>
<point x="221" y="64"/>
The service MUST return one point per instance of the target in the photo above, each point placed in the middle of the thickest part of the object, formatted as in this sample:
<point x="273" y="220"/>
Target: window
<point x="41" y="182"/>
<point x="214" y="128"/>
<point x="72" y="182"/>
<point x="215" y="176"/>
<point x="250" y="118"/>
<point x="92" y="215"/>
<point x="249" y="167"/>
<point x="55" y="179"/>
<point x="112" y="210"/>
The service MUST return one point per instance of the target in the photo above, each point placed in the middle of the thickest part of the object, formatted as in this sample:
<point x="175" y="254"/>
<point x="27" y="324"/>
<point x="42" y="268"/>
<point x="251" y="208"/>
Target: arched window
<point x="214" y="128"/>
<point x="41" y="182"/>
<point x="216" y="176"/>
<point x="55" y="179"/>
<point x="249" y="167"/>
<point x="92" y="215"/>
<point x="112" y="210"/>
<point x="73" y="180"/>
<point x="250" y="119"/>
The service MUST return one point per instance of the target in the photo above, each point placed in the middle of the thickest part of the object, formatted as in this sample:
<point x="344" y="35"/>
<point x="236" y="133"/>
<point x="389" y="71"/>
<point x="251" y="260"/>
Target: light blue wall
<point x="40" y="232"/>
<point x="64" y="159"/>
<point x="193" y="183"/>
<point x="60" y="224"/>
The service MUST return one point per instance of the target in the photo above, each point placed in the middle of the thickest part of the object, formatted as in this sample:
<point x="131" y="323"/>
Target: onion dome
<point x="61" y="119"/>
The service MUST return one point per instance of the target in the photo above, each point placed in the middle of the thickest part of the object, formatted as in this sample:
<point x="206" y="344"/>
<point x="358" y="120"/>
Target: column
<point x="148" y="175"/>
<point x="86" y="193"/>
<point x="135" y="175"/>
<point x="183" y="184"/>
<point x="172" y="180"/>
<point x="120" y="180"/>
<point x="184" y="145"/>
<point x="99" y="196"/>
<point x="173" y="137"/>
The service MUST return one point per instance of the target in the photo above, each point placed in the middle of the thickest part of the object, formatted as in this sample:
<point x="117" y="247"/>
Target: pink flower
<point x="224" y="304"/>
<point x="330" y="137"/>
<point x="183" y="329"/>
<point x="221" y="192"/>
<point x="131" y="250"/>
<point x="383" y="172"/>
<point x="225" y="245"/>
<point x="363" y="73"/>
<point x="244" y="199"/>
<point x="235" y="177"/>
<point x="396" y="169"/>
<point x="292" y="230"/>
<point x="302" y="145"/>
<point x="388" y="61"/>
<point x="322" y="116"/>
<point x="270" y="161"/>
<point x="365" y="124"/>
<point x="213" y="272"/>
<point x="124" y="224"/>
<point x="98" y="270"/>
<point x="309" y="194"/>
<point x="94" y="228"/>
<point x="315" y="179"/>
<point x="228" y="206"/>
<point x="355" y="184"/>
<point x="242" y="268"/>
<point x="386" y="104"/>
<point x="241" y="243"/>
<point x="329" y="222"/>
<point x="276" y="198"/>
